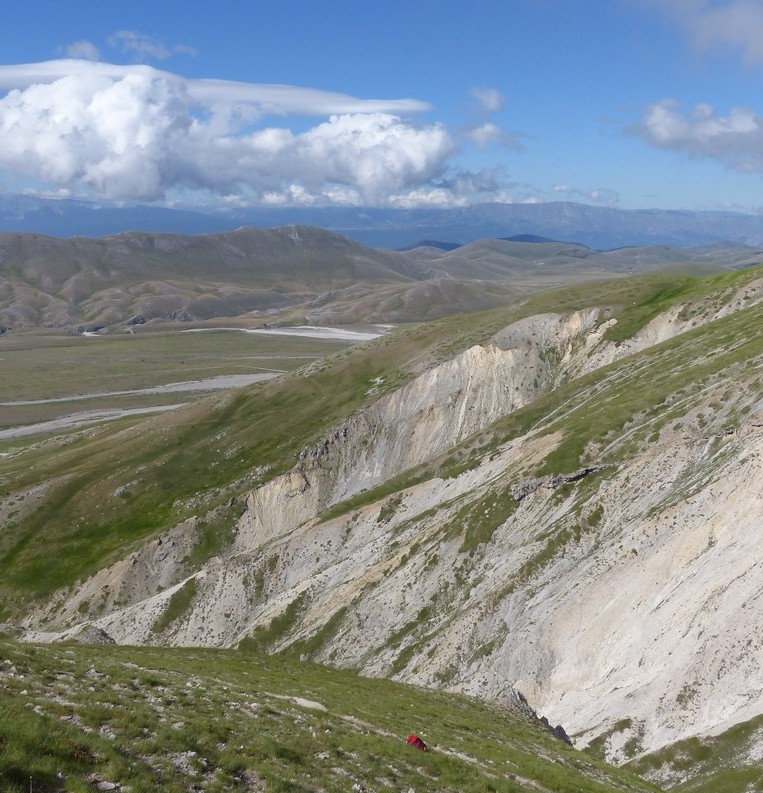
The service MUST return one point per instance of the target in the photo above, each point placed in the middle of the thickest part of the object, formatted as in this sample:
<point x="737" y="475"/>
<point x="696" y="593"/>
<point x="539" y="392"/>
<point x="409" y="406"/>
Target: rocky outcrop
<point x="90" y="634"/>
<point x="521" y="490"/>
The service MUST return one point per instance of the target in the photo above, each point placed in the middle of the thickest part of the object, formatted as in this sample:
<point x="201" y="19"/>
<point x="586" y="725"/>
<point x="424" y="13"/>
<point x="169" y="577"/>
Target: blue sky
<point x="628" y="103"/>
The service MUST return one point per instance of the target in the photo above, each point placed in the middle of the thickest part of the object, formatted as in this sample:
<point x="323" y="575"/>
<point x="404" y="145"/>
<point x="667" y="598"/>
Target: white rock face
<point x="630" y="596"/>
<point x="440" y="408"/>
<point x="659" y="624"/>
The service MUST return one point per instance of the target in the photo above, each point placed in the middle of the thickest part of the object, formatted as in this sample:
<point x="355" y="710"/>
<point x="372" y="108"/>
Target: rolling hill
<point x="146" y="719"/>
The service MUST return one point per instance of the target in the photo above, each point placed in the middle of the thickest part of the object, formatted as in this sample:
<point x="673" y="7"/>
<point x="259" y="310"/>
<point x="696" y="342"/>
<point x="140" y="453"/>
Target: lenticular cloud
<point x="137" y="132"/>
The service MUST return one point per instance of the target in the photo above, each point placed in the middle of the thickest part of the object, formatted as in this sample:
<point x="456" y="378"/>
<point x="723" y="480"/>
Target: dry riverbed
<point x="47" y="374"/>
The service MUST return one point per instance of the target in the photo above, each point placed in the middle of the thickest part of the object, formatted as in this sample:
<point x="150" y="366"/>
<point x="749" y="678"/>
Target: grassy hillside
<point x="142" y="719"/>
<point x="69" y="508"/>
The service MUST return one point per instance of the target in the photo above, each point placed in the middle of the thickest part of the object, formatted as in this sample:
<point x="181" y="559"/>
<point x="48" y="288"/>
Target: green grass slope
<point x="76" y="718"/>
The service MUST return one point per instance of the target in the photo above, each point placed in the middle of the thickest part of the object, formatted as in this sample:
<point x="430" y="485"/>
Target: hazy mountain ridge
<point x="109" y="280"/>
<point x="519" y="510"/>
<point x="595" y="226"/>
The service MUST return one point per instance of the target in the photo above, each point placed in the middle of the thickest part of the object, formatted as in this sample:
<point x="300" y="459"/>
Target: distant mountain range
<point x="597" y="227"/>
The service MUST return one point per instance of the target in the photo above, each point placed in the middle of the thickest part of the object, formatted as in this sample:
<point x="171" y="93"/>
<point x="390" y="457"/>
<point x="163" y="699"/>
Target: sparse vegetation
<point x="215" y="533"/>
<point x="711" y="764"/>
<point x="480" y="519"/>
<point x="389" y="508"/>
<point x="263" y="638"/>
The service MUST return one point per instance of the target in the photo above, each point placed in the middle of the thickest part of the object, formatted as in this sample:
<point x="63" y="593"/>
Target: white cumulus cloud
<point x="371" y="156"/>
<point x="135" y="132"/>
<point x="735" y="138"/>
<point x="489" y="134"/>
